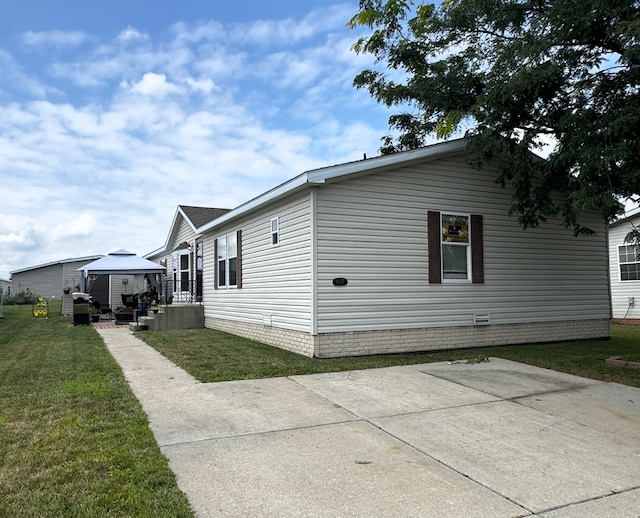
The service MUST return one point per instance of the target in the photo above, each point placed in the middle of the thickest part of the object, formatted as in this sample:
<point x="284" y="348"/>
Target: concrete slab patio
<point x="495" y="439"/>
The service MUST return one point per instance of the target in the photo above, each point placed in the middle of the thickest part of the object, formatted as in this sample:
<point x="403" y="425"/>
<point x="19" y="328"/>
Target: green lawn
<point x="74" y="441"/>
<point x="211" y="355"/>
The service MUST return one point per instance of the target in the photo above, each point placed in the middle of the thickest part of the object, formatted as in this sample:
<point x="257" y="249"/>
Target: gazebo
<point x="120" y="262"/>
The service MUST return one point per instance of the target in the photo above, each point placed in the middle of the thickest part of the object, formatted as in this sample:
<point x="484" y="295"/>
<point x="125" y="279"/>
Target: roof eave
<point x="324" y="175"/>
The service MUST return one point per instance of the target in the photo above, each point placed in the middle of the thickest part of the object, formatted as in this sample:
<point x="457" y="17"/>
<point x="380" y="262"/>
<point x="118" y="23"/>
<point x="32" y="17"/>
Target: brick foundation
<point x="360" y="343"/>
<point x="296" y="341"/>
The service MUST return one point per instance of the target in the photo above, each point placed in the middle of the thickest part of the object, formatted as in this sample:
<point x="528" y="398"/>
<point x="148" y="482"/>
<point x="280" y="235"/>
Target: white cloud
<point x="15" y="79"/>
<point x="154" y="85"/>
<point x="124" y="131"/>
<point x="49" y="39"/>
<point x="79" y="225"/>
<point x="205" y="86"/>
<point x="131" y="34"/>
<point x="186" y="33"/>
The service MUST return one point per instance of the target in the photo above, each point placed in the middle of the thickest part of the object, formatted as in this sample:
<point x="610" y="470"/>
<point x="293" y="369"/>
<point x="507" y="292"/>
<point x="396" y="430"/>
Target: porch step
<point x="137" y="326"/>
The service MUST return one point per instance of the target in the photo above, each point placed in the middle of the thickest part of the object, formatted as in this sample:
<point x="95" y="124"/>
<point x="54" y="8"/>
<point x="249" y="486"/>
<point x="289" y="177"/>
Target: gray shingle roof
<point x="202" y="215"/>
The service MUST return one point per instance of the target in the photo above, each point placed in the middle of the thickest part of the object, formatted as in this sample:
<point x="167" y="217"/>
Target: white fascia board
<point x="62" y="261"/>
<point x="320" y="176"/>
<point x="372" y="164"/>
<point x="625" y="218"/>
<point x="193" y="227"/>
<point x="157" y="251"/>
<point x="282" y="190"/>
<point x="172" y="227"/>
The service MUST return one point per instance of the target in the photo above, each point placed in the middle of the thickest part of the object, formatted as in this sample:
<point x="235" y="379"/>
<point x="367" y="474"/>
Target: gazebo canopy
<point x="121" y="262"/>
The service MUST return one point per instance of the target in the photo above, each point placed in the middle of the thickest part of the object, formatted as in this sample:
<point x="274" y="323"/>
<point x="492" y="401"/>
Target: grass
<point x="211" y="355"/>
<point x="74" y="440"/>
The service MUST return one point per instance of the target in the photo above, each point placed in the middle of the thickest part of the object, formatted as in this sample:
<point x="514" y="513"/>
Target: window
<point x="455" y="247"/>
<point x="222" y="261"/>
<point x="184" y="272"/>
<point x="629" y="259"/>
<point x="228" y="257"/>
<point x="199" y="269"/>
<point x="181" y="271"/>
<point x="275" y="229"/>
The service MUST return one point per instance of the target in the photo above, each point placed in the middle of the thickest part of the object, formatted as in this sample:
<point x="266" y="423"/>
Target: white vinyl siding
<point x="372" y="230"/>
<point x="276" y="280"/>
<point x="621" y="290"/>
<point x="46" y="281"/>
<point x="629" y="262"/>
<point x="134" y="284"/>
<point x="49" y="281"/>
<point x="185" y="278"/>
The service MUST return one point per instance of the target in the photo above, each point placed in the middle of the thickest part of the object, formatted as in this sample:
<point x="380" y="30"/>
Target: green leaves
<point x="520" y="73"/>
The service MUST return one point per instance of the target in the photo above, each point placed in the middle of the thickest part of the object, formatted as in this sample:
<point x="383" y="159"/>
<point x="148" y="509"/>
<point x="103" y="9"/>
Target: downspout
<point x="606" y="233"/>
<point x="313" y="201"/>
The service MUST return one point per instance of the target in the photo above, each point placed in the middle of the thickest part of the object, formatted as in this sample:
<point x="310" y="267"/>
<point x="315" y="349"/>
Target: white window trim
<point x="467" y="245"/>
<point x="275" y="232"/>
<point x="227" y="285"/>
<point x="177" y="271"/>
<point x="620" y="279"/>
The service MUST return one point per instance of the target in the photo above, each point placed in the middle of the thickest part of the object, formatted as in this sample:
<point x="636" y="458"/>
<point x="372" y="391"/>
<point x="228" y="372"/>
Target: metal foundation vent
<point x="482" y="319"/>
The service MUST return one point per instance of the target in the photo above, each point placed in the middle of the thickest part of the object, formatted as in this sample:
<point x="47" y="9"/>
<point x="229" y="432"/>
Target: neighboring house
<point x="50" y="279"/>
<point x="624" y="261"/>
<point x="182" y="253"/>
<point x="406" y="252"/>
<point x="5" y="287"/>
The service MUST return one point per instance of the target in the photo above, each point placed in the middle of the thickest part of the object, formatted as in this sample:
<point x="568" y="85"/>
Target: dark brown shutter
<point x="434" y="231"/>
<point x="477" y="252"/>
<point x="215" y="264"/>
<point x="239" y="259"/>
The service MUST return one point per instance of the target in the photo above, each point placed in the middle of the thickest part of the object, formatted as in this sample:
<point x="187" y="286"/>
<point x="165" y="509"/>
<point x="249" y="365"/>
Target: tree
<point x="517" y="74"/>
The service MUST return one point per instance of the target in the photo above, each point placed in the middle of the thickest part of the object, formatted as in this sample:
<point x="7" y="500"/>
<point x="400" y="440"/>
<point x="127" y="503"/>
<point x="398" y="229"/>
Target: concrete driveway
<point x="494" y="439"/>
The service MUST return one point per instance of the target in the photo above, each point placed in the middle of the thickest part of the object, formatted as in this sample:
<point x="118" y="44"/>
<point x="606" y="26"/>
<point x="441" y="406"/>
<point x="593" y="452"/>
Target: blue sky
<point x="113" y="113"/>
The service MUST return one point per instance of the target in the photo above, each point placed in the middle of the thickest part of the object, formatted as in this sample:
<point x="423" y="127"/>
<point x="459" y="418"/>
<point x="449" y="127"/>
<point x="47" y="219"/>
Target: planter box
<point x="124" y="316"/>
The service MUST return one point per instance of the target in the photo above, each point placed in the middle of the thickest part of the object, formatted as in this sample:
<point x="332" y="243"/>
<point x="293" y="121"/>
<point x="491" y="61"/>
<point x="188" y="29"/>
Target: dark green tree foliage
<point x="517" y="74"/>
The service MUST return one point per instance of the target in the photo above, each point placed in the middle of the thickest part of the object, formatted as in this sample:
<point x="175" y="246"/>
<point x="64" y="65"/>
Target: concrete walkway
<point x="494" y="439"/>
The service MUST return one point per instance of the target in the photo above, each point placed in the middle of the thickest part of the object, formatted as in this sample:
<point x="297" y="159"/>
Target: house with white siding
<point x="56" y="279"/>
<point x="5" y="287"/>
<point x="50" y="279"/>
<point x="406" y="252"/>
<point x="182" y="254"/>
<point x="624" y="262"/>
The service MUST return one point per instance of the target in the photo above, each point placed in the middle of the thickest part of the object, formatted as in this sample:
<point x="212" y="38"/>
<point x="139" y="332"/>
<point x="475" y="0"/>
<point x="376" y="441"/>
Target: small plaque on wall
<point x="340" y="281"/>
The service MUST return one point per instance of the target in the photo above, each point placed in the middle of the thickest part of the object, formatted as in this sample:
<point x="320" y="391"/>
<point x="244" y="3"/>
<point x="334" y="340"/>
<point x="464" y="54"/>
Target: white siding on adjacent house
<point x="276" y="279"/>
<point x="182" y="232"/>
<point x="372" y="230"/>
<point x="71" y="276"/>
<point x="622" y="290"/>
<point x="45" y="281"/>
<point x="49" y="280"/>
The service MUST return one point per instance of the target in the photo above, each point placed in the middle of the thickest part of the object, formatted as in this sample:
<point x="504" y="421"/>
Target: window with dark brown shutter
<point x="215" y="268"/>
<point x="477" y="250"/>
<point x="434" y="236"/>
<point x="455" y="247"/>
<point x="239" y="259"/>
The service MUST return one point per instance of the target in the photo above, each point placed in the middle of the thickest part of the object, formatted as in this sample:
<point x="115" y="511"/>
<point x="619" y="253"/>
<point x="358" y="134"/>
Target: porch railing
<point x="180" y="292"/>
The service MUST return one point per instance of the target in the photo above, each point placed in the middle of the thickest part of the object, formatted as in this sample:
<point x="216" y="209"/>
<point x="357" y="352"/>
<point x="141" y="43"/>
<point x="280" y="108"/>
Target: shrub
<point x="23" y="297"/>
